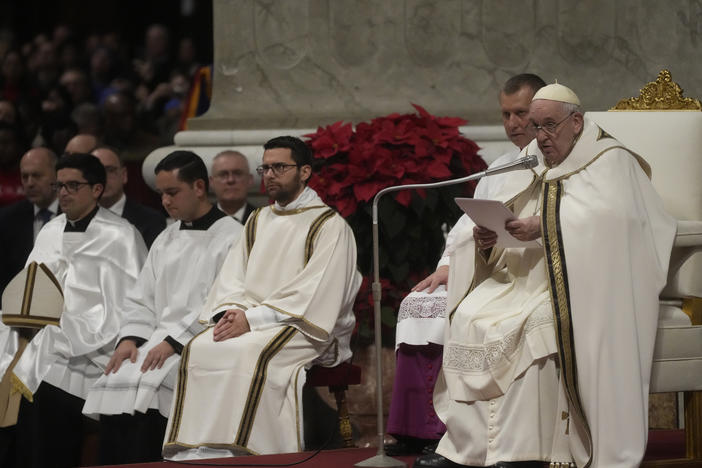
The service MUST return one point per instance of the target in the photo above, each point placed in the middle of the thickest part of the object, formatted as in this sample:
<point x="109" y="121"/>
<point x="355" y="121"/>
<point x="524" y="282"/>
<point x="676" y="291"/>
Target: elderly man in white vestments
<point x="134" y="396"/>
<point x="282" y="301"/>
<point x="419" y="334"/>
<point x="549" y="349"/>
<point x="96" y="256"/>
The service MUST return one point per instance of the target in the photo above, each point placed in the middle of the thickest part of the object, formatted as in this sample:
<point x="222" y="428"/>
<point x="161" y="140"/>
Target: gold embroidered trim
<point x="250" y="227"/>
<point x="19" y="387"/>
<point x="314" y="231"/>
<point x="560" y="302"/>
<point x="297" y="410"/>
<point x="257" y="383"/>
<point x="296" y="211"/>
<point x="322" y="332"/>
<point x="15" y="320"/>
<point x="28" y="288"/>
<point x="180" y="389"/>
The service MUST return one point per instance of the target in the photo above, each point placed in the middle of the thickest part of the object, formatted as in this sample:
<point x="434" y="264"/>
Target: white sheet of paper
<point x="493" y="214"/>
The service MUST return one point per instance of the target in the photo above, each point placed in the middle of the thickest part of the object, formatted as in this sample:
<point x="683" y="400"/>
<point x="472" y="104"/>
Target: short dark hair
<point x="300" y="152"/>
<point x="92" y="169"/>
<point x="517" y="82"/>
<point x="190" y="167"/>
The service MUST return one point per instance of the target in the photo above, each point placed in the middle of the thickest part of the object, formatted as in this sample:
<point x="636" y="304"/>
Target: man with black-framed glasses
<point x="281" y="301"/>
<point x="95" y="257"/>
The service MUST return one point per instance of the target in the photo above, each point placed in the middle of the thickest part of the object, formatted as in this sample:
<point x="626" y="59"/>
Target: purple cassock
<point x="419" y="339"/>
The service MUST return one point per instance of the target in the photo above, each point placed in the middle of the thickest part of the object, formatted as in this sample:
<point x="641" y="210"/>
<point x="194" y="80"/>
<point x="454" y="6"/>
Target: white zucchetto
<point x="557" y="92"/>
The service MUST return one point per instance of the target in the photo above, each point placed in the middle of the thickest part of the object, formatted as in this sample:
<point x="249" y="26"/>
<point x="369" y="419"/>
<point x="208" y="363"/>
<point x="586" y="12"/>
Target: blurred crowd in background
<point x="62" y="83"/>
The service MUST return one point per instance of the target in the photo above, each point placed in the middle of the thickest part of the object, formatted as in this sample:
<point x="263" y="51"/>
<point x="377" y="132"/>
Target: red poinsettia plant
<point x="354" y="164"/>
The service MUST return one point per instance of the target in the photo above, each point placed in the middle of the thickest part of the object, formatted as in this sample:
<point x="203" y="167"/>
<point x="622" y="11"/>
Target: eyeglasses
<point x="550" y="127"/>
<point x="235" y="174"/>
<point x="277" y="168"/>
<point x="71" y="186"/>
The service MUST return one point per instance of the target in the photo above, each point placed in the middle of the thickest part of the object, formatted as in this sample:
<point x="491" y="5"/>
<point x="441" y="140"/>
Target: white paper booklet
<point x="493" y="215"/>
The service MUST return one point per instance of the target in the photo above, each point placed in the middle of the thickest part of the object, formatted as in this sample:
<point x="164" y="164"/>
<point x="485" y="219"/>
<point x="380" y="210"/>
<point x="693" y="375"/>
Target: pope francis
<point x="548" y="350"/>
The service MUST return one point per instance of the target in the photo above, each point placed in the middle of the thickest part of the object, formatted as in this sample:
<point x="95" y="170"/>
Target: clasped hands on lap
<point x="232" y="324"/>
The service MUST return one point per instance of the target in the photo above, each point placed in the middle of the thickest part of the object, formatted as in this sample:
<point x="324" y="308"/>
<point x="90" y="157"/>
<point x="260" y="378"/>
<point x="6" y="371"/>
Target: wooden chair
<point x="338" y="379"/>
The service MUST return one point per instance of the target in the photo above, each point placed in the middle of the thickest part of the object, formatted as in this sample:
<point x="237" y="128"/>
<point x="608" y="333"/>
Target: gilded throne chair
<point x="666" y="130"/>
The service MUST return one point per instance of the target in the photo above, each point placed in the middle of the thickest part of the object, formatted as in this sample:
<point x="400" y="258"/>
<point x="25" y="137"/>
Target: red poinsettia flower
<point x="331" y="140"/>
<point x="357" y="163"/>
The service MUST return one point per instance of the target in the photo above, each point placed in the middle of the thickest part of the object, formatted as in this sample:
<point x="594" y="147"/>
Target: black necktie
<point x="43" y="215"/>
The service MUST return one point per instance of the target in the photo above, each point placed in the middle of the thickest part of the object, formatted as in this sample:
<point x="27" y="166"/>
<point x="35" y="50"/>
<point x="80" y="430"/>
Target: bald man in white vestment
<point x="134" y="396"/>
<point x="282" y="301"/>
<point x="549" y="349"/>
<point x="95" y="256"/>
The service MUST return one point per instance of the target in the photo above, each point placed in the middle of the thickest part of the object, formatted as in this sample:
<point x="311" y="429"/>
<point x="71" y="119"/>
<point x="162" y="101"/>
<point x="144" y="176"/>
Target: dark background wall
<point x="130" y="18"/>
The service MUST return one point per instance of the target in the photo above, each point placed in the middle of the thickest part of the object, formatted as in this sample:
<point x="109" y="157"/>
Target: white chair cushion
<point x="677" y="360"/>
<point x="682" y="375"/>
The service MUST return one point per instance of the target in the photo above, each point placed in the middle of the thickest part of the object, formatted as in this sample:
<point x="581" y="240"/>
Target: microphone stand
<point x="381" y="460"/>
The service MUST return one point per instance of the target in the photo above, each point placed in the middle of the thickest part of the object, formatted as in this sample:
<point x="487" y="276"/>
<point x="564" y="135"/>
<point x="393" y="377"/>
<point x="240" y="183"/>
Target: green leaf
<point x="388" y="316"/>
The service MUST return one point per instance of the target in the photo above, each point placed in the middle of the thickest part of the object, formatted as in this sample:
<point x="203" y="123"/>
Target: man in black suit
<point x="231" y="180"/>
<point x="19" y="225"/>
<point x="22" y="220"/>
<point x="148" y="221"/>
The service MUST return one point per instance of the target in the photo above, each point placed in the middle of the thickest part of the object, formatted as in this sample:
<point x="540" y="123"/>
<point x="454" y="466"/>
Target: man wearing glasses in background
<point x="95" y="257"/>
<point x="231" y="181"/>
<point x="282" y="300"/>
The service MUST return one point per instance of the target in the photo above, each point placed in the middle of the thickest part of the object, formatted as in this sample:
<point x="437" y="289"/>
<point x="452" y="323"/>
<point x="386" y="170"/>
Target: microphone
<point x="527" y="162"/>
<point x="381" y="459"/>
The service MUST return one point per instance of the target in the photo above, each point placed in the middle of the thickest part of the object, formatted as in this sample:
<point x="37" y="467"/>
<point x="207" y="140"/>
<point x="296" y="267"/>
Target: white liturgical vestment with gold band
<point x="294" y="274"/>
<point x="548" y="351"/>
<point x="95" y="269"/>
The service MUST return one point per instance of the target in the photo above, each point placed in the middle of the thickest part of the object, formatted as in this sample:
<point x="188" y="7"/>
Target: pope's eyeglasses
<point x="550" y="127"/>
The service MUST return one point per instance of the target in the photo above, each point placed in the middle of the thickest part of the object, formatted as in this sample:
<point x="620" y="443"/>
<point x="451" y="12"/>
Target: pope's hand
<point x="127" y="349"/>
<point x="157" y="356"/>
<point x="484" y="237"/>
<point x="232" y="324"/>
<point x="525" y="229"/>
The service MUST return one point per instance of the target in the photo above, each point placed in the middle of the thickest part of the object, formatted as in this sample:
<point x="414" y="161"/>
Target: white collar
<point x="305" y="197"/>
<point x="238" y="214"/>
<point x="118" y="207"/>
